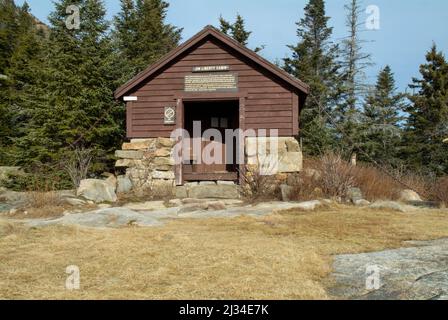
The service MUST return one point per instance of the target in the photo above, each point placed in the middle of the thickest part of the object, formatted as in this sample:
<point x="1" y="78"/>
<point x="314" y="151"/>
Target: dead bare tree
<point x="77" y="164"/>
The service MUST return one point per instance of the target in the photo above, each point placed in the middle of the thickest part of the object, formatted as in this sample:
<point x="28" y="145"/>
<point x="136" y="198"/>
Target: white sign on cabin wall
<point x="169" y="115"/>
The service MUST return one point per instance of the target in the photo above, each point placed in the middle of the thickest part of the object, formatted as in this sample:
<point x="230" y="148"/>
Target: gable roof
<point x="210" y="31"/>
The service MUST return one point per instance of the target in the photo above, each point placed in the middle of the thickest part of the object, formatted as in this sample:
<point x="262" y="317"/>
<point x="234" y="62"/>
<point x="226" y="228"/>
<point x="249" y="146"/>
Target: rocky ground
<point x="419" y="272"/>
<point x="155" y="213"/>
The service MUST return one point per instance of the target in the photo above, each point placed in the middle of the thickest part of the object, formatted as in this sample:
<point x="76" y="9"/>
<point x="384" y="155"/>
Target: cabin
<point x="182" y="108"/>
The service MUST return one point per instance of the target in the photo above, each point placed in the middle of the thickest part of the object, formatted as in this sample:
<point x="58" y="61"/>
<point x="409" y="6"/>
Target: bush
<point x="257" y="186"/>
<point x="331" y="176"/>
<point x="376" y="184"/>
<point x="306" y="187"/>
<point x="439" y="191"/>
<point x="336" y="175"/>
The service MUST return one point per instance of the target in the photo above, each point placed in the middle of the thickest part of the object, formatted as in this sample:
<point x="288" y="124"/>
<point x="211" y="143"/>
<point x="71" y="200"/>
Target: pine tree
<point x="313" y="60"/>
<point x="237" y="31"/>
<point x="382" y="114"/>
<point x="353" y="61"/>
<point x="78" y="80"/>
<point x="141" y="34"/>
<point x="124" y="37"/>
<point x="427" y="125"/>
<point x="20" y="65"/>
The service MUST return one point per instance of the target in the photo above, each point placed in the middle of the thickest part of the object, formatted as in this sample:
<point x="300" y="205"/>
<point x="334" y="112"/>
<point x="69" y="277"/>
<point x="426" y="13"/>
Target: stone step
<point x="212" y="191"/>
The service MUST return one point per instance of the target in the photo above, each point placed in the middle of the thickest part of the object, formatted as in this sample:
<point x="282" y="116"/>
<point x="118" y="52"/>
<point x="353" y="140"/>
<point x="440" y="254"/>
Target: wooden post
<point x="242" y="111"/>
<point x="129" y="119"/>
<point x="295" y="114"/>
<point x="178" y="169"/>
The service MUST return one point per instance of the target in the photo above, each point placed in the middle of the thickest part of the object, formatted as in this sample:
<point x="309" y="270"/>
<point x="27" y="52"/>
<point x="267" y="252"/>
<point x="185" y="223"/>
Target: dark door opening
<point x="219" y="116"/>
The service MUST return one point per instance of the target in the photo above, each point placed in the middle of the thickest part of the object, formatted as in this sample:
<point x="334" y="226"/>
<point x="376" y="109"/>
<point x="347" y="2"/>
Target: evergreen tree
<point x="19" y="68"/>
<point x="237" y="31"/>
<point x="427" y="125"/>
<point x="381" y="120"/>
<point x="313" y="60"/>
<point x="353" y="62"/>
<point x="141" y="34"/>
<point x="78" y="80"/>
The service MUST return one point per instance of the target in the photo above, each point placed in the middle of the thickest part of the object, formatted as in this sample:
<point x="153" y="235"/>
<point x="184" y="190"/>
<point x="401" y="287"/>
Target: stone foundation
<point x="149" y="164"/>
<point x="287" y="155"/>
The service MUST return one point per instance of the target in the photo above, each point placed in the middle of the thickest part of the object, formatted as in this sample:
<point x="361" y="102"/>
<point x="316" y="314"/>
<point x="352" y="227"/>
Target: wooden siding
<point x="268" y="100"/>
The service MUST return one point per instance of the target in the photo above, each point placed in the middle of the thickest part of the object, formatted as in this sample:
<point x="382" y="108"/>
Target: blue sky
<point x="407" y="27"/>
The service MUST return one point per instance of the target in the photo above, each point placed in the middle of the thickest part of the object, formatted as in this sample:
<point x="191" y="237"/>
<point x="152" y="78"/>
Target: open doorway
<point x="218" y="116"/>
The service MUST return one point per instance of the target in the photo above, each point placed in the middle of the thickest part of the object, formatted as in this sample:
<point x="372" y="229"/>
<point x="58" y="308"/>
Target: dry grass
<point x="282" y="256"/>
<point x="375" y="184"/>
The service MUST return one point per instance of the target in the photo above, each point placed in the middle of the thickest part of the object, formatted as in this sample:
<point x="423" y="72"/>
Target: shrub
<point x="439" y="191"/>
<point x="258" y="186"/>
<point x="77" y="165"/>
<point x="336" y="175"/>
<point x="306" y="187"/>
<point x="375" y="183"/>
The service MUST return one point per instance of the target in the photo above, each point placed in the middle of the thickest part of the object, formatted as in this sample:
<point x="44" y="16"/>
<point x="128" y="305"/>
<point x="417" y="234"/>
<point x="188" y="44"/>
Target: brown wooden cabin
<point x="245" y="91"/>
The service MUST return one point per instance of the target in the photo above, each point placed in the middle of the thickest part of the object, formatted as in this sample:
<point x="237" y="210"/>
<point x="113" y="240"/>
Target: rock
<point x="215" y="191"/>
<point x="129" y="154"/>
<point x="146" y="206"/>
<point x="126" y="163"/>
<point x="412" y="273"/>
<point x="228" y="183"/>
<point x="5" y="172"/>
<point x="392" y="205"/>
<point x="361" y="203"/>
<point x="290" y="162"/>
<point x="66" y="193"/>
<point x="354" y="194"/>
<point x="292" y="145"/>
<point x="191" y="200"/>
<point x="124" y="184"/>
<point x="286" y="192"/>
<point x="409" y="195"/>
<point x="161" y="167"/>
<point x="232" y="202"/>
<point x="181" y="192"/>
<point x="207" y="183"/>
<point x="103" y="218"/>
<point x="167" y="175"/>
<point x="163" y="188"/>
<point x="164" y="152"/>
<point x="216" y="205"/>
<point x="191" y="207"/>
<point x="75" y="202"/>
<point x="309" y="205"/>
<point x="175" y="202"/>
<point x="165" y="142"/>
<point x="112" y="181"/>
<point x="97" y="190"/>
<point x="138" y="144"/>
<point x="104" y="206"/>
<point x="191" y="184"/>
<point x="159" y="161"/>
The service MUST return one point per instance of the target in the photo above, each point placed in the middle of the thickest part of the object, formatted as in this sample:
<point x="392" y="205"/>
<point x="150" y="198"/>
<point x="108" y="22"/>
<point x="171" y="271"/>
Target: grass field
<point x="282" y="256"/>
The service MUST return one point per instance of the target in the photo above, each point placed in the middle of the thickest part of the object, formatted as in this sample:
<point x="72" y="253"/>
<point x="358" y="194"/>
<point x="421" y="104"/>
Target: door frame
<point x="208" y="96"/>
